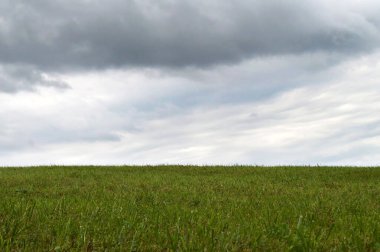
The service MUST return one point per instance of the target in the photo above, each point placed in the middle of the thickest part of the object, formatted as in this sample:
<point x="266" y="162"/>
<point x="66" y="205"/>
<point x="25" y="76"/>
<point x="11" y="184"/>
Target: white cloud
<point x="320" y="116"/>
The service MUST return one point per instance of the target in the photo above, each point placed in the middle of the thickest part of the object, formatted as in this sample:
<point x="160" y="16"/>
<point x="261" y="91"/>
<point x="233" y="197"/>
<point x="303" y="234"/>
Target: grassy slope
<point x="190" y="208"/>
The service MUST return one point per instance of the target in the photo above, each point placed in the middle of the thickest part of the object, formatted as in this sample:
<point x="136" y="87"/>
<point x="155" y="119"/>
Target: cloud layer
<point x="98" y="34"/>
<point x="251" y="82"/>
<point x="136" y="120"/>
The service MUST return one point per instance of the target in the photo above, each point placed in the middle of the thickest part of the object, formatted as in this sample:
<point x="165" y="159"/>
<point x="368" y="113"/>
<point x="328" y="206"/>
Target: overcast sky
<point x="190" y="82"/>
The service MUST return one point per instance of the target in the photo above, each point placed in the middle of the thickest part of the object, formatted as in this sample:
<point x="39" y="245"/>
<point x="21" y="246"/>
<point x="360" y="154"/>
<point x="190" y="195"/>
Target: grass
<point x="189" y="208"/>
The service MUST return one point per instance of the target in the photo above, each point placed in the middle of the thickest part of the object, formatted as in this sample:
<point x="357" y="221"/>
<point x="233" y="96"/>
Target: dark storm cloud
<point x="84" y="34"/>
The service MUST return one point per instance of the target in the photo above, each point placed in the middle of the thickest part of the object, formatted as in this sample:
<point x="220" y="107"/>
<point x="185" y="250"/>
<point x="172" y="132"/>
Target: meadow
<point x="189" y="208"/>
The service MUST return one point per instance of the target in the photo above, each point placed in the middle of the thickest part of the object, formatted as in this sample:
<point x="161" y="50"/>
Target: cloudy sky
<point x="190" y="82"/>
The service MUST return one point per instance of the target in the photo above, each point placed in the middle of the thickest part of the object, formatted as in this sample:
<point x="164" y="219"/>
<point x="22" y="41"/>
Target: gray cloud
<point x="290" y="82"/>
<point x="103" y="34"/>
<point x="15" y="77"/>
<point x="40" y="37"/>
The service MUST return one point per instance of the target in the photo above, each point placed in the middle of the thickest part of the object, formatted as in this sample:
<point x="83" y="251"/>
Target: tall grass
<point x="189" y="208"/>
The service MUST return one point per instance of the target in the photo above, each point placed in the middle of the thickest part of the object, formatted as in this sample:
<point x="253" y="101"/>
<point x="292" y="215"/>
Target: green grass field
<point x="189" y="208"/>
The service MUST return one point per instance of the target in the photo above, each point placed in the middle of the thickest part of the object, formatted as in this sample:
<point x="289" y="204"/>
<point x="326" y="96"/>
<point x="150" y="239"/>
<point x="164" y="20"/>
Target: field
<point x="189" y="208"/>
